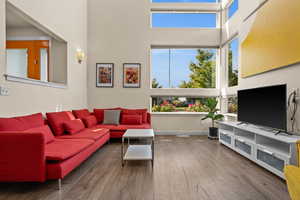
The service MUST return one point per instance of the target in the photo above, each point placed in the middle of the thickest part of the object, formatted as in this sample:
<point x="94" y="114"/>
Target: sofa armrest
<point x="149" y="118"/>
<point x="22" y="157"/>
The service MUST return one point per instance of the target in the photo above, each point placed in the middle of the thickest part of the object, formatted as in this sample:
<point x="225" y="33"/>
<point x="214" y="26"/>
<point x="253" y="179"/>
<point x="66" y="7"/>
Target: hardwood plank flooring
<point x="185" y="168"/>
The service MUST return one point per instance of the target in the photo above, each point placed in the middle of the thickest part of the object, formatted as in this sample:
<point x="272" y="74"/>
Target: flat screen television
<point x="265" y="106"/>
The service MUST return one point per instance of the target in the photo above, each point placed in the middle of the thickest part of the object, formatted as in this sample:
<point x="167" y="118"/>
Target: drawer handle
<point x="268" y="152"/>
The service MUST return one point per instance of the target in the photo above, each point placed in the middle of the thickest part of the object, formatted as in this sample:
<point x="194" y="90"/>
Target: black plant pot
<point x="213" y="133"/>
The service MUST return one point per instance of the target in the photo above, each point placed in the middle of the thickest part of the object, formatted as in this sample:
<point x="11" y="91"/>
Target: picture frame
<point x="105" y="75"/>
<point x="131" y="75"/>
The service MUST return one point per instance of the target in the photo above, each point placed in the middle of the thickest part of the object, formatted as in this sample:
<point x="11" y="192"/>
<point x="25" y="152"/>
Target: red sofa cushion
<point x="73" y="126"/>
<point x="62" y="149"/>
<point x="142" y="112"/>
<point x="57" y="119"/>
<point x="131" y="119"/>
<point x="123" y="127"/>
<point x="99" y="113"/>
<point x="21" y="123"/>
<point x="45" y="130"/>
<point x="81" y="113"/>
<point x="89" y="121"/>
<point x="88" y="133"/>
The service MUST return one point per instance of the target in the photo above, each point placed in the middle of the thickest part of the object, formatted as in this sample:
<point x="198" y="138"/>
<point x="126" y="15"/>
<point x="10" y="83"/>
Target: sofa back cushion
<point x="131" y="119"/>
<point x="45" y="130"/>
<point x="21" y="123"/>
<point x="89" y="121"/>
<point x="142" y="112"/>
<point x="81" y="113"/>
<point x="56" y="121"/>
<point x="99" y="114"/>
<point x="73" y="126"/>
<point x="112" y="117"/>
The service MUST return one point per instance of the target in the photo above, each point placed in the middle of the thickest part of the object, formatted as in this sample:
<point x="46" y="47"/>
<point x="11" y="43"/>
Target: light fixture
<point x="80" y="55"/>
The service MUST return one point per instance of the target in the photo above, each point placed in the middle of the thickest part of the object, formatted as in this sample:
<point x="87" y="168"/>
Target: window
<point x="178" y="104"/>
<point x="34" y="54"/>
<point x="233" y="62"/>
<point x="184" y="1"/>
<point x="234" y="6"/>
<point x="232" y="105"/>
<point x="183" y="68"/>
<point x="183" y="20"/>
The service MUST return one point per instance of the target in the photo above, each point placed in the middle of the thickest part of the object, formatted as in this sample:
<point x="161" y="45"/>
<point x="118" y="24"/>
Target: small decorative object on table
<point x="105" y="75"/>
<point x="211" y="105"/>
<point x="131" y="75"/>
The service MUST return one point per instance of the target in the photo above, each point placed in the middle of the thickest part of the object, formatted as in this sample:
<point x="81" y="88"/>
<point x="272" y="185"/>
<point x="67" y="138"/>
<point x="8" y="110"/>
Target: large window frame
<point x="217" y="66"/>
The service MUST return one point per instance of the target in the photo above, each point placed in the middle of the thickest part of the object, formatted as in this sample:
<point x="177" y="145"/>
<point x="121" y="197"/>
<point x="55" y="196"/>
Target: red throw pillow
<point x="81" y="113"/>
<point x="45" y="130"/>
<point x="73" y="126"/>
<point x="142" y="112"/>
<point x="89" y="121"/>
<point x="32" y="121"/>
<point x="131" y="119"/>
<point x="99" y="113"/>
<point x="57" y="119"/>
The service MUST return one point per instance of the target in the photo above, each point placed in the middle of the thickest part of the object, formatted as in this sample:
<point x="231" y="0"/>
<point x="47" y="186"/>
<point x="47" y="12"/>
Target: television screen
<point x="266" y="106"/>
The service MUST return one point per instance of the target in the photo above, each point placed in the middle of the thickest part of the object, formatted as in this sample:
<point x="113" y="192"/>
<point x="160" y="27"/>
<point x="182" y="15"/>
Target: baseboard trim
<point x="180" y="132"/>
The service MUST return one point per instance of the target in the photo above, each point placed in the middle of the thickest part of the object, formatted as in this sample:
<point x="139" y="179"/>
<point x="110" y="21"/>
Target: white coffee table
<point x="138" y="151"/>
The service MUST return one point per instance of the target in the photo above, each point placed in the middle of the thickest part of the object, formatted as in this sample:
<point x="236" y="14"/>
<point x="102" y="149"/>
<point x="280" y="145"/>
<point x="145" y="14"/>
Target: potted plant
<point x="211" y="105"/>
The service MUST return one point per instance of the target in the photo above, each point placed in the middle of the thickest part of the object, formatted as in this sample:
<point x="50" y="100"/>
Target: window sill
<point x="34" y="82"/>
<point x="178" y="113"/>
<point x="230" y="114"/>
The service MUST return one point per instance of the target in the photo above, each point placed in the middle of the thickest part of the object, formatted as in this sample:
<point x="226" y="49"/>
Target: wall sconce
<point x="80" y="55"/>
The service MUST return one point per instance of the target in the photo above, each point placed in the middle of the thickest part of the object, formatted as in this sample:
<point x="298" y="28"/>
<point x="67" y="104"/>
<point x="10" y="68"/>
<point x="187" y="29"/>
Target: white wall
<point x="67" y="20"/>
<point x="288" y="75"/>
<point x="119" y="32"/>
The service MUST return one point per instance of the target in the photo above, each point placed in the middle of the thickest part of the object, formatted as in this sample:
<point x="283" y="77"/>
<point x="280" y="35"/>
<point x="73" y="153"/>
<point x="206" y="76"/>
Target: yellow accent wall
<point x="274" y="38"/>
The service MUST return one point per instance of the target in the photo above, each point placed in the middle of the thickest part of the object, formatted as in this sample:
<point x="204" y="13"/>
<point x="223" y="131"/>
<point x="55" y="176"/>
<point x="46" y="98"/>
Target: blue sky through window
<point x="180" y="60"/>
<point x="234" y="47"/>
<point x="184" y="20"/>
<point x="233" y="8"/>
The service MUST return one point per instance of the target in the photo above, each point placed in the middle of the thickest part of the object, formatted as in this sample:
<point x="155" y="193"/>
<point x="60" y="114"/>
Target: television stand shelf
<point x="263" y="147"/>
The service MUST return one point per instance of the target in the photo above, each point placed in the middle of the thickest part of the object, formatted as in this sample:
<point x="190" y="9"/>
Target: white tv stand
<point x="263" y="147"/>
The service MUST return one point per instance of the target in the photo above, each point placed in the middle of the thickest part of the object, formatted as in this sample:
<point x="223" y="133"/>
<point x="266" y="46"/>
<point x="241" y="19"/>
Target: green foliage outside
<point x="232" y="74"/>
<point x="155" y="84"/>
<point x="203" y="73"/>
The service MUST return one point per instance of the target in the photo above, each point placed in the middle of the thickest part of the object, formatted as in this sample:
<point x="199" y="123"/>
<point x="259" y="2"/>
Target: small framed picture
<point x="131" y="75"/>
<point x="104" y="75"/>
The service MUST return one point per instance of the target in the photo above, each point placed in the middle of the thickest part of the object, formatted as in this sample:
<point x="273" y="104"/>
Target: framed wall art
<point x="105" y="75"/>
<point x="131" y="75"/>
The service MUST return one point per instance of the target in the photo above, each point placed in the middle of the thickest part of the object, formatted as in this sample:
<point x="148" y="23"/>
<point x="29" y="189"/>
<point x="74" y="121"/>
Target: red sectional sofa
<point x="34" y="149"/>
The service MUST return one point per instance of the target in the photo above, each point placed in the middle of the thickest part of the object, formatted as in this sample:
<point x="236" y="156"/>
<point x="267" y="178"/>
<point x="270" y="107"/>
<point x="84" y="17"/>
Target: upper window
<point x="184" y="1"/>
<point x="183" y="68"/>
<point x="183" y="20"/>
<point x="233" y="62"/>
<point x="234" y="6"/>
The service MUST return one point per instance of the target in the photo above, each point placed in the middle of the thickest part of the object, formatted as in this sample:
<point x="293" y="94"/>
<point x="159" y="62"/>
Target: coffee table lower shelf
<point x="138" y="152"/>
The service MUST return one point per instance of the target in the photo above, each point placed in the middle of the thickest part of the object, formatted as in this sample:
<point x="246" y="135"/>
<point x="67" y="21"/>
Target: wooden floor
<point x="192" y="168"/>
